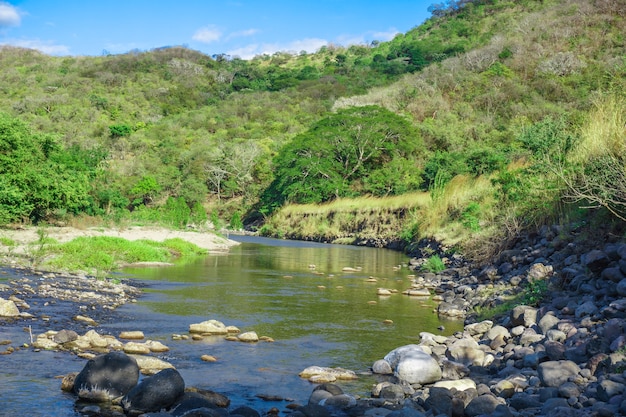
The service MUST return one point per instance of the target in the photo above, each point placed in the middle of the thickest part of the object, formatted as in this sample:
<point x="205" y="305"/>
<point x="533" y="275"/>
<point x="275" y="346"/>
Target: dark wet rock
<point x="193" y="401"/>
<point x="482" y="405"/>
<point x="157" y="392"/>
<point x="107" y="376"/>
<point x="245" y="411"/>
<point x="313" y="410"/>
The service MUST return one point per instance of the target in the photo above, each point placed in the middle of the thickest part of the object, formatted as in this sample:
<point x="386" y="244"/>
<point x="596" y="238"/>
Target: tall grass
<point x="604" y="133"/>
<point x="596" y="176"/>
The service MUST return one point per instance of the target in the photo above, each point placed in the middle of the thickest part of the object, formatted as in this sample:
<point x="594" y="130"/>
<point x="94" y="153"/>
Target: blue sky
<point x="243" y="28"/>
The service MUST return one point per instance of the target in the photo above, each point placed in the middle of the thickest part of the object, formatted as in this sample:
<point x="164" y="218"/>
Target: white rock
<point x="208" y="327"/>
<point x="249" y="337"/>
<point x="459" y="384"/>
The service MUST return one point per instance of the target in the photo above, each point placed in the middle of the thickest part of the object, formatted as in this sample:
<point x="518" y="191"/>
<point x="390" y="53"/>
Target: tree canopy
<point x="361" y="150"/>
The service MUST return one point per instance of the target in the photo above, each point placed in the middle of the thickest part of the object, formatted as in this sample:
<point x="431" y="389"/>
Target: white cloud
<point x="9" y="16"/>
<point x="385" y="36"/>
<point x="47" y="47"/>
<point x="207" y="34"/>
<point x="242" y="33"/>
<point x="252" y="50"/>
<point x="247" y="52"/>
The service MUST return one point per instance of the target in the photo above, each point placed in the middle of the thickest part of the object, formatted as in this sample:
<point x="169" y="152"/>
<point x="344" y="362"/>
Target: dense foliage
<point x="363" y="150"/>
<point x="495" y="89"/>
<point x="40" y="179"/>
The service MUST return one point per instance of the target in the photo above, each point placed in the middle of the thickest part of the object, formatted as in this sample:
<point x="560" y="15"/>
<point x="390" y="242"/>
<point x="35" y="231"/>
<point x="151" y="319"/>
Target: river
<point x="297" y="293"/>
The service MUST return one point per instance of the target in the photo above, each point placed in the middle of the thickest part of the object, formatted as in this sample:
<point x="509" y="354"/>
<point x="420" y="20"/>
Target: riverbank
<point x="560" y="355"/>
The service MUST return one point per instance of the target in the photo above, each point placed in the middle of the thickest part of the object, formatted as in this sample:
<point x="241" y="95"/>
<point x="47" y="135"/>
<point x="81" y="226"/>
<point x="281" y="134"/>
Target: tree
<point x="337" y="156"/>
<point x="38" y="176"/>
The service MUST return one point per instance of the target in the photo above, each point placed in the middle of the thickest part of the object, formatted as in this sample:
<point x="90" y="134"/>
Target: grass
<point x="533" y="293"/>
<point x="434" y="264"/>
<point x="405" y="217"/>
<point x="101" y="254"/>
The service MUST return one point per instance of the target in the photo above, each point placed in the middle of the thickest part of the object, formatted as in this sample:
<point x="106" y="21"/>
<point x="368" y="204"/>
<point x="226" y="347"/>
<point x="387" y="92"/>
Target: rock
<point x="418" y="292"/>
<point x="621" y="288"/>
<point x="249" y="337"/>
<point x="107" y="376"/>
<point x="556" y="373"/>
<point x="608" y="389"/>
<point x="482" y="405"/>
<point x="136" y="348"/>
<point x="475" y="329"/>
<point x="524" y="316"/>
<point x="341" y="401"/>
<point x="454" y="370"/>
<point x="8" y="308"/>
<point x="245" y="411"/>
<point x="596" y="260"/>
<point x="417" y="367"/>
<point x="132" y="335"/>
<point x="86" y="320"/>
<point x="156" y="346"/>
<point x="192" y="405"/>
<point x="42" y="342"/>
<point x="393" y="392"/>
<point x="208" y="327"/>
<point x="539" y="271"/>
<point x="496" y="331"/>
<point x="381" y="366"/>
<point x="65" y="336"/>
<point x="149" y="365"/>
<point x="613" y="274"/>
<point x="452" y="309"/>
<point x="547" y="322"/>
<point x="337" y="373"/>
<point x="94" y="339"/>
<point x="157" y="392"/>
<point x="467" y="352"/>
<point x="586" y="309"/>
<point x="459" y="385"/>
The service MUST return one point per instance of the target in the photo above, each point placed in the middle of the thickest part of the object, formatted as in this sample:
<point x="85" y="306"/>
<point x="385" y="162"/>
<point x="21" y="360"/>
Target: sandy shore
<point x="22" y="237"/>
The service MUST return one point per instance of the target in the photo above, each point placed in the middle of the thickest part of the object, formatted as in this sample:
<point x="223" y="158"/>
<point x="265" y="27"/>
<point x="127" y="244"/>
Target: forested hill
<point x="484" y="88"/>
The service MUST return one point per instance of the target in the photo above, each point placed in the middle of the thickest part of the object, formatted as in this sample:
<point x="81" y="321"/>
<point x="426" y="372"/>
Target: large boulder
<point x="155" y="393"/>
<point x="414" y="366"/>
<point x="556" y="373"/>
<point x="106" y="377"/>
<point x="8" y="308"/>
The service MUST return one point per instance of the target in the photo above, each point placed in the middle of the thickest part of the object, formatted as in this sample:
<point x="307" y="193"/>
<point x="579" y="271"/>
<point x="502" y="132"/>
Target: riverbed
<point x="317" y="302"/>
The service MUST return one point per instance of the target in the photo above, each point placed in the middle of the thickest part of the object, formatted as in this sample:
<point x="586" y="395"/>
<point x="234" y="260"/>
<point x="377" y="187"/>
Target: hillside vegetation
<point x="490" y="117"/>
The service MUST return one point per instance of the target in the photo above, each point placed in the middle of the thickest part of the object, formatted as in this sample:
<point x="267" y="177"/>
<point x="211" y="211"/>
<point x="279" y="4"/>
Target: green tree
<point x="38" y="176"/>
<point x="337" y="155"/>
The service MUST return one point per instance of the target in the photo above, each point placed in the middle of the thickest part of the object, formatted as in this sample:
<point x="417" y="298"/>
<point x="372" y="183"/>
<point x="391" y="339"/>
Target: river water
<point x="297" y="293"/>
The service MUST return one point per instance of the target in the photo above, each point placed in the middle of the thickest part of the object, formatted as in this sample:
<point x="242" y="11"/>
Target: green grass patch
<point x="434" y="264"/>
<point x="105" y="253"/>
<point x="7" y="241"/>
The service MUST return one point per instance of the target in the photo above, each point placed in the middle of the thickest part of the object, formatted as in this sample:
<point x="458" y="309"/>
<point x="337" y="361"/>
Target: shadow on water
<point x="297" y="293"/>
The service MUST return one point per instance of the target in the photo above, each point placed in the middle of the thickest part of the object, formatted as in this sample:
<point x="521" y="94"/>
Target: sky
<point x="238" y="28"/>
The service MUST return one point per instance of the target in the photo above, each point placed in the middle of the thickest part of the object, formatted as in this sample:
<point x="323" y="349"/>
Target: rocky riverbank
<point x="561" y="356"/>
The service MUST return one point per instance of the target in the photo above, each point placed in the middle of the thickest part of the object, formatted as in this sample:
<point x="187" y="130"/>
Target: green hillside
<point x="495" y="101"/>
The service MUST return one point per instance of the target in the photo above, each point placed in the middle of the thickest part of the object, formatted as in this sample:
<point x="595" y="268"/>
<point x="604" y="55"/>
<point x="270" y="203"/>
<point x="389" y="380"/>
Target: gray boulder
<point x="556" y="373"/>
<point x="413" y="365"/>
